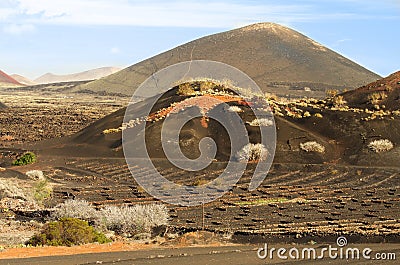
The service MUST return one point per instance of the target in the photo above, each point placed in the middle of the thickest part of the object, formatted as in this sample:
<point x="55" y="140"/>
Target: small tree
<point x="42" y="191"/>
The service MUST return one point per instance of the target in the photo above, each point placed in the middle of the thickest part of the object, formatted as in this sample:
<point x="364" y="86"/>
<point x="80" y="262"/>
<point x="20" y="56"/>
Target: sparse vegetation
<point x="68" y="232"/>
<point x="330" y="93"/>
<point x="376" y="97"/>
<point x="338" y="101"/>
<point x="25" y="159"/>
<point x="312" y="146"/>
<point x="235" y="109"/>
<point x="382" y="145"/>
<point x="388" y="88"/>
<point x="185" y="89"/>
<point x="261" y="122"/>
<point x="263" y="201"/>
<point x="252" y="152"/>
<point x="199" y="182"/>
<point x="112" y="130"/>
<point x="207" y="85"/>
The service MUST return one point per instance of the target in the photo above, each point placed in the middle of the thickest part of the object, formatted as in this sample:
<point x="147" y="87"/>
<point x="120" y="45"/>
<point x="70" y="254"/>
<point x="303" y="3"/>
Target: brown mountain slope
<point x="384" y="92"/>
<point x="82" y="76"/>
<point x="270" y="54"/>
<point x="5" y="80"/>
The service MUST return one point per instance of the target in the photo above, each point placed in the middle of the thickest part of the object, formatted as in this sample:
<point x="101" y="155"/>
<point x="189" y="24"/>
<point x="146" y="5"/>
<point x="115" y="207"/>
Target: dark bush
<point x="68" y="232"/>
<point x="25" y="159"/>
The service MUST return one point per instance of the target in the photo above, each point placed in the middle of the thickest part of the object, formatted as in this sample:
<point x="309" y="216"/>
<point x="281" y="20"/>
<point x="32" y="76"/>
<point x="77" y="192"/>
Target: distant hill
<point x="272" y="55"/>
<point x="23" y="80"/>
<point x="82" y="76"/>
<point x="6" y="80"/>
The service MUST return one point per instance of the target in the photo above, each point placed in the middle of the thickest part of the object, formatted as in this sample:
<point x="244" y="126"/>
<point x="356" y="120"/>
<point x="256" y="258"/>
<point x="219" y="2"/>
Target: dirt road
<point x="244" y="254"/>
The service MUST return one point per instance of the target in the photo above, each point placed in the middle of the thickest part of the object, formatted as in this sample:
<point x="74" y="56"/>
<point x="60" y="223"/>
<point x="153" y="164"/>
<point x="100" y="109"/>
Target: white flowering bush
<point x="261" y="122"/>
<point x="134" y="219"/>
<point x="382" y="145"/>
<point x="80" y="209"/>
<point x="35" y="174"/>
<point x="234" y="109"/>
<point x="312" y="146"/>
<point x="125" y="220"/>
<point x="10" y="189"/>
<point x="252" y="152"/>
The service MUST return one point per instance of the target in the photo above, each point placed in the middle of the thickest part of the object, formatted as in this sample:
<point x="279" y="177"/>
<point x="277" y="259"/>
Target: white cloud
<point x="175" y="13"/>
<point x="5" y="13"/>
<point x="115" y="50"/>
<point x="17" y="29"/>
<point x="158" y="13"/>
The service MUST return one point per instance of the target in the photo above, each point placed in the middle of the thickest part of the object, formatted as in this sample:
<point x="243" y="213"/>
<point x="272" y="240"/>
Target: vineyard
<point x="295" y="200"/>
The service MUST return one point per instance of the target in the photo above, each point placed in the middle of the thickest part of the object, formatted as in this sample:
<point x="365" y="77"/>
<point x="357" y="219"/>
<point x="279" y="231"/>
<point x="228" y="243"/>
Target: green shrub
<point x="68" y="232"/>
<point x="25" y="159"/>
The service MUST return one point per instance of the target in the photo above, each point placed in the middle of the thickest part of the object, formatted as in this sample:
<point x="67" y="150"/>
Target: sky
<point x="69" y="36"/>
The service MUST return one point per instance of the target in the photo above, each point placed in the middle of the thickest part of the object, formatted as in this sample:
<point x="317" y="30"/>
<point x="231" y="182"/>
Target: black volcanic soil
<point x="294" y="202"/>
<point x="47" y="116"/>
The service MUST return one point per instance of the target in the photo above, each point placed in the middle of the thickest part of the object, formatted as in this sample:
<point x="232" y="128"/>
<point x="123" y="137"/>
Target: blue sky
<point x="67" y="36"/>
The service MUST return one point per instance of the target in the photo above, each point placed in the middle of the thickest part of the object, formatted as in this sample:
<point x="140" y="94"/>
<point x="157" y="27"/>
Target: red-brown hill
<point x="5" y="79"/>
<point x="384" y="92"/>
